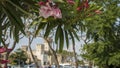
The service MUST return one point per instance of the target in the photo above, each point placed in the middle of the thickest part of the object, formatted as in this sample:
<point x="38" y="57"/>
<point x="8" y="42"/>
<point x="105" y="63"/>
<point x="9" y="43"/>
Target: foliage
<point x="67" y="27"/>
<point x="65" y="53"/>
<point x="3" y="50"/>
<point x="11" y="14"/>
<point x="67" y="56"/>
<point x="18" y="57"/>
<point x="104" y="51"/>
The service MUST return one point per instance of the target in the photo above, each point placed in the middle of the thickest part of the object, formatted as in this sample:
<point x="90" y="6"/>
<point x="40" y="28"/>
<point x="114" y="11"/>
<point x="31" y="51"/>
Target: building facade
<point x="42" y="54"/>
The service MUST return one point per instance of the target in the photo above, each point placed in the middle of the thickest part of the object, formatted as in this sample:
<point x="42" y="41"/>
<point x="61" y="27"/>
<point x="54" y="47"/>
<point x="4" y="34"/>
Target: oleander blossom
<point x="4" y="61"/>
<point x="71" y="1"/>
<point x="49" y="9"/>
<point x="45" y="11"/>
<point x="79" y="8"/>
<point x="86" y="4"/>
<point x="56" y="13"/>
<point x="2" y="50"/>
<point x="98" y="12"/>
<point x="41" y="3"/>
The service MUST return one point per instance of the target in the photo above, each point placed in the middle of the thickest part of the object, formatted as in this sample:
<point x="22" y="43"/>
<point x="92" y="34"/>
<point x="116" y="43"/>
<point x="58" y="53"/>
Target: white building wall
<point x="46" y="48"/>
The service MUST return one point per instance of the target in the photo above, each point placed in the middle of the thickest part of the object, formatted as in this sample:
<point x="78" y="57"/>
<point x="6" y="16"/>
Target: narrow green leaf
<point x="40" y="26"/>
<point x="50" y="26"/>
<point x="16" y="34"/>
<point x="18" y="7"/>
<point x="61" y="41"/>
<point x="76" y="36"/>
<point x="73" y="41"/>
<point x="67" y="39"/>
<point x="57" y="34"/>
<point x="14" y="19"/>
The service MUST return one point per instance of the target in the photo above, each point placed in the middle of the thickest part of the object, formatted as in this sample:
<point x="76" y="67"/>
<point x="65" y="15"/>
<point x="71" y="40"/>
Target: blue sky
<point x="38" y="40"/>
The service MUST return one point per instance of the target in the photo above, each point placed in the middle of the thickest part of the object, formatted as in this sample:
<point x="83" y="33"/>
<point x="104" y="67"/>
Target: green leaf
<point x="76" y="36"/>
<point x="67" y="39"/>
<point x="40" y="26"/>
<point x="57" y="34"/>
<point x="49" y="28"/>
<point x="61" y="41"/>
<point x="16" y="34"/>
<point x="18" y="7"/>
<point x="73" y="41"/>
<point x="12" y="15"/>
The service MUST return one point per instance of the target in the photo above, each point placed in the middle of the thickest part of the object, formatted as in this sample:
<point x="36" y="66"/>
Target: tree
<point x="19" y="57"/>
<point x="66" y="55"/>
<point x="104" y="50"/>
<point x="11" y="19"/>
<point x="67" y="25"/>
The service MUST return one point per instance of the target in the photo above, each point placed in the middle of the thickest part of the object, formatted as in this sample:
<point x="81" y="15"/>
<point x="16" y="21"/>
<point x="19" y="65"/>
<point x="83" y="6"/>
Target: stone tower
<point x="46" y="47"/>
<point x="24" y="48"/>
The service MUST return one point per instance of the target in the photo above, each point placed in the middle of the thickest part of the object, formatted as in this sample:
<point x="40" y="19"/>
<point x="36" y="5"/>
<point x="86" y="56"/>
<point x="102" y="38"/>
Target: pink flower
<point x="49" y="1"/>
<point x="2" y="50"/>
<point x="79" y="8"/>
<point x="56" y="13"/>
<point x="8" y="50"/>
<point x="98" y="12"/>
<point x="4" y="61"/>
<point x="41" y="3"/>
<point x="50" y="9"/>
<point x="70" y="2"/>
<point x="86" y="5"/>
<point x="45" y="11"/>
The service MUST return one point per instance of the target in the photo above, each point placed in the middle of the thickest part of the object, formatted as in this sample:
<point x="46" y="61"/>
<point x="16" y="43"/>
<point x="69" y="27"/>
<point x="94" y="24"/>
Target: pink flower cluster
<point x="49" y="8"/>
<point x="84" y="5"/>
<point x="2" y="50"/>
<point x="4" y="61"/>
<point x="70" y="1"/>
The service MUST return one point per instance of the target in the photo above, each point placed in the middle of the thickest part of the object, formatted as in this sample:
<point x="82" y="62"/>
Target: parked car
<point x="31" y="66"/>
<point x="66" y="65"/>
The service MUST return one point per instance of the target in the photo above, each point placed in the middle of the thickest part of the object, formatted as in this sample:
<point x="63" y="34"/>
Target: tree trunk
<point x="32" y="54"/>
<point x="74" y="53"/>
<point x="53" y="52"/>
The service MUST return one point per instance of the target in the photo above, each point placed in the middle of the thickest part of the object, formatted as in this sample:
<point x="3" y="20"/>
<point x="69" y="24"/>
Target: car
<point x="53" y="66"/>
<point x="31" y="66"/>
<point x="66" y="65"/>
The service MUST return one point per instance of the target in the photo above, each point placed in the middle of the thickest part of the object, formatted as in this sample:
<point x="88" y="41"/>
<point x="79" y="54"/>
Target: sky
<point x="38" y="40"/>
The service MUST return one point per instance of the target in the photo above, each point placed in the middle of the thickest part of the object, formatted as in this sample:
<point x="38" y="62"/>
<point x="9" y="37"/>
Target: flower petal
<point x="70" y="2"/>
<point x="2" y="50"/>
<point x="4" y="61"/>
<point x="56" y="13"/>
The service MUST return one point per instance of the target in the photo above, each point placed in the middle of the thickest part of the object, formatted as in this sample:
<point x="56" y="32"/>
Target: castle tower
<point x="24" y="47"/>
<point x="46" y="46"/>
<point x="40" y="48"/>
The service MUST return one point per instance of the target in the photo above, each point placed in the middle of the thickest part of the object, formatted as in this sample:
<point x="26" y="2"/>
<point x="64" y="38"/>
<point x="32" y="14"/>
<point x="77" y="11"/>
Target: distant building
<point x="42" y="54"/>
